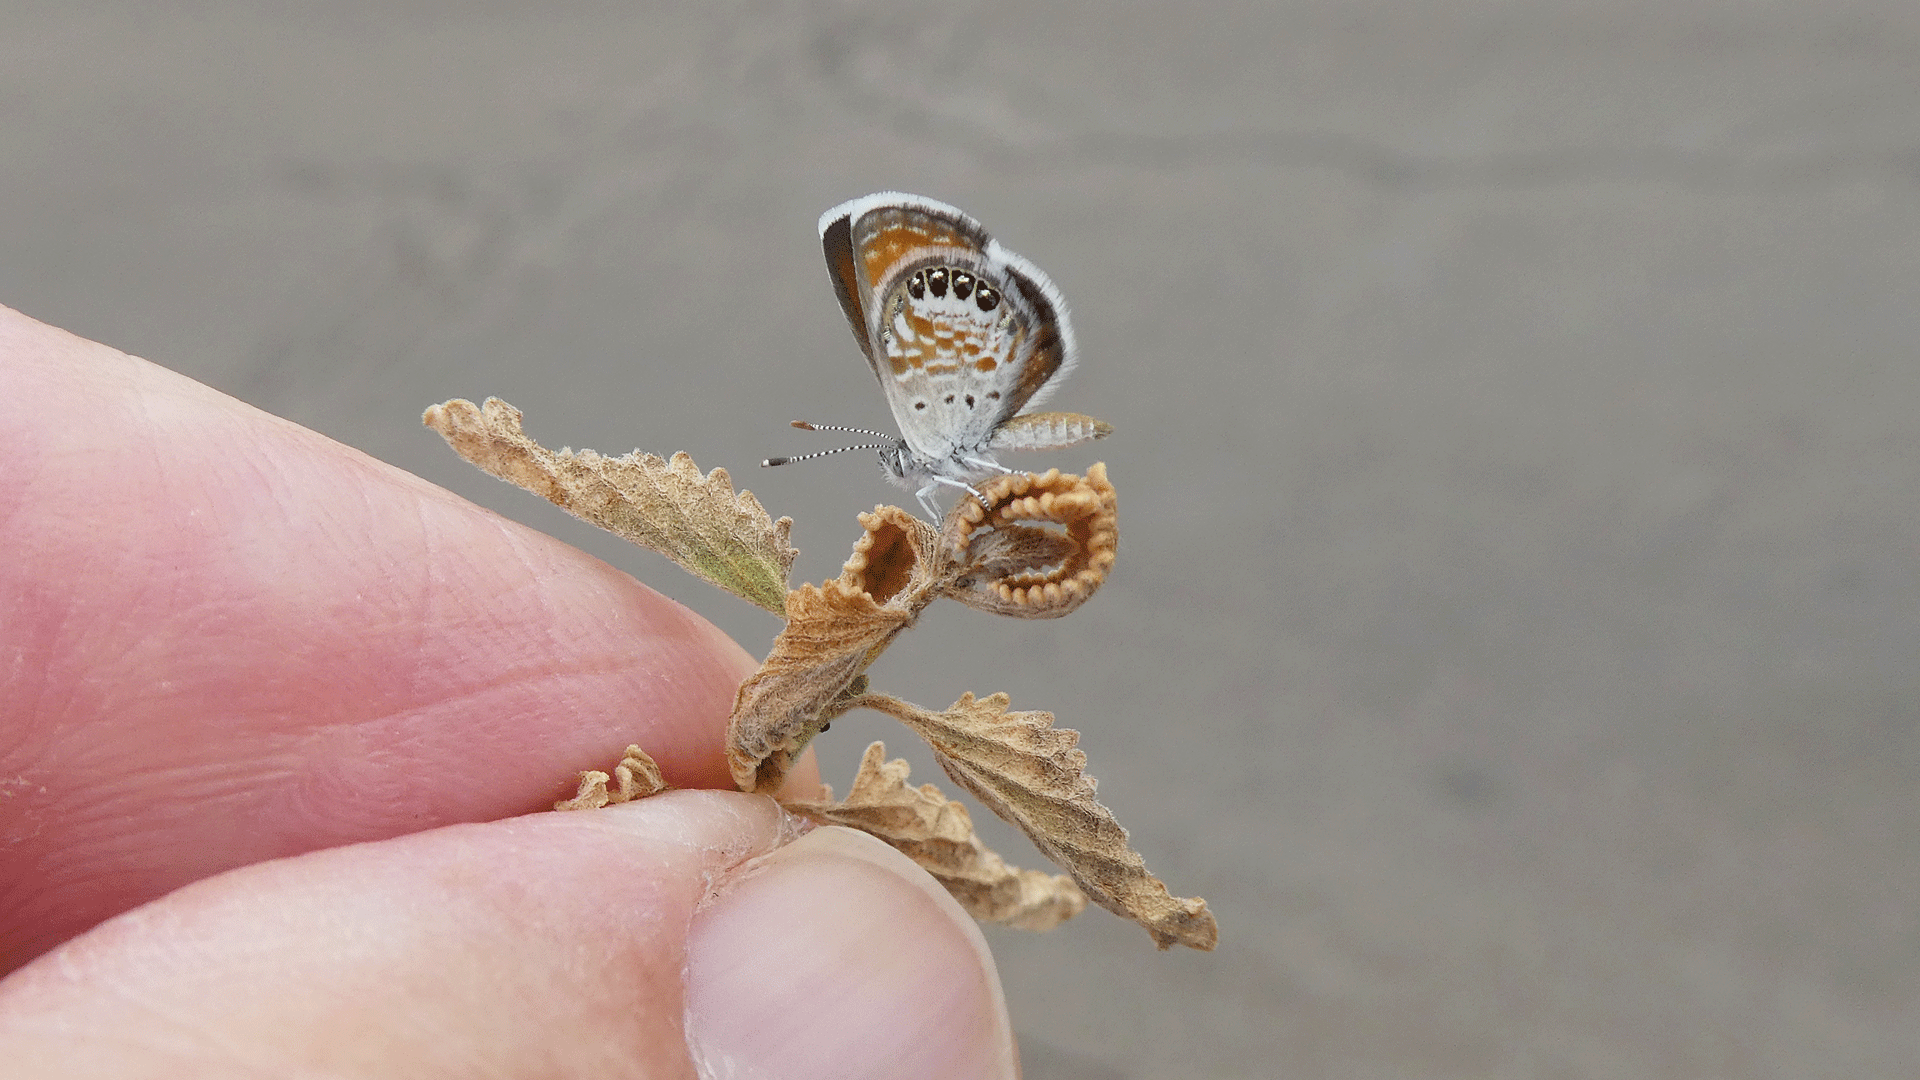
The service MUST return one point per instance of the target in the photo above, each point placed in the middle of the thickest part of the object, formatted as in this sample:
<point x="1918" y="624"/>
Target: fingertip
<point x="835" y="956"/>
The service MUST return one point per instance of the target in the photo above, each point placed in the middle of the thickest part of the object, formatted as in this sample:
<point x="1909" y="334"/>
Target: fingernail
<point x="836" y="956"/>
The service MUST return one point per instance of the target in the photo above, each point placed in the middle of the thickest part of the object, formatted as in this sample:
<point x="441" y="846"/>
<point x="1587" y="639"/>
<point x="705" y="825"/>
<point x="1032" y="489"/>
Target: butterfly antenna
<point x="822" y="453"/>
<point x="804" y="426"/>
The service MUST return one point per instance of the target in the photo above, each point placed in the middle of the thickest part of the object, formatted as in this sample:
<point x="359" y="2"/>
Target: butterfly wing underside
<point x="961" y="333"/>
<point x="836" y="236"/>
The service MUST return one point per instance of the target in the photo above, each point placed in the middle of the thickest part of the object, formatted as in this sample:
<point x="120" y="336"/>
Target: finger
<point x="895" y="978"/>
<point x="557" y="944"/>
<point x="230" y="639"/>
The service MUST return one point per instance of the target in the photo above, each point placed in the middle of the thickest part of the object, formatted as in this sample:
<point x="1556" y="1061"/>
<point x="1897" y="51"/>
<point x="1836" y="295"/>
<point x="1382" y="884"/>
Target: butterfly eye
<point x="937" y="281"/>
<point x="962" y="284"/>
<point x="986" y="297"/>
<point x="917" y="285"/>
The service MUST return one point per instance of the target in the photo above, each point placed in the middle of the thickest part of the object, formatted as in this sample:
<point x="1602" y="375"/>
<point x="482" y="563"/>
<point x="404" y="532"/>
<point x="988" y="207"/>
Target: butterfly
<point x="964" y="336"/>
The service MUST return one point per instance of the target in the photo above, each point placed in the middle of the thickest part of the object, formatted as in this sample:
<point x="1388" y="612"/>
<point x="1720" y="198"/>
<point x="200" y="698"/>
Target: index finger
<point x="225" y="638"/>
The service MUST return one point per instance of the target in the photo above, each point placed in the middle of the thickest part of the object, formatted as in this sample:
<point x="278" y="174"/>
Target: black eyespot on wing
<point x="919" y="405"/>
<point x="987" y="297"/>
<point x="917" y="285"/>
<point x="969" y="401"/>
<point x="937" y="281"/>
<point x="949" y="399"/>
<point x="993" y="395"/>
<point x="962" y="284"/>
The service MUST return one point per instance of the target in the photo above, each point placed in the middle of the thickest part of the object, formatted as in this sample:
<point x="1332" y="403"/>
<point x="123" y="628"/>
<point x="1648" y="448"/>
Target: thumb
<point x="682" y="935"/>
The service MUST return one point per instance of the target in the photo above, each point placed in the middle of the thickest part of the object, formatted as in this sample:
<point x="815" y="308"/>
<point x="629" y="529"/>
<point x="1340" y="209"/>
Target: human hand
<point x="278" y="703"/>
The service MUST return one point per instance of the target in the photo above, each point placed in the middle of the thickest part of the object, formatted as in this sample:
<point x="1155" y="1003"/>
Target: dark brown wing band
<point x="837" y="239"/>
<point x="1045" y="352"/>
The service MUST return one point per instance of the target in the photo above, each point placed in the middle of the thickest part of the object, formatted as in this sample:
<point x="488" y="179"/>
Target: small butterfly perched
<point x="963" y="335"/>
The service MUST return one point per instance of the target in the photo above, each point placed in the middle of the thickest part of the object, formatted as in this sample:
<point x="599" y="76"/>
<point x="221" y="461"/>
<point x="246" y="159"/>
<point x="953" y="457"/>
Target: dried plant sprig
<point x="719" y="536"/>
<point x="1033" y="776"/>
<point x="637" y="776"/>
<point x="988" y="557"/>
<point x="1031" y="546"/>
<point x="937" y="833"/>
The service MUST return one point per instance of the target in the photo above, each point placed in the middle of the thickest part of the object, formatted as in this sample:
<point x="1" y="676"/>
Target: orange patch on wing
<point x="986" y="363"/>
<point x="896" y="237"/>
<point x="904" y="355"/>
<point x="925" y="330"/>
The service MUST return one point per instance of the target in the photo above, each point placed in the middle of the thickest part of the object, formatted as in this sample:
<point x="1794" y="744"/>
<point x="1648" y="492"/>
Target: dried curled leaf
<point x="937" y="833"/>
<point x="697" y="521"/>
<point x="897" y="560"/>
<point x="1034" y="546"/>
<point x="1032" y="775"/>
<point x="636" y="777"/>
<point x="833" y="632"/>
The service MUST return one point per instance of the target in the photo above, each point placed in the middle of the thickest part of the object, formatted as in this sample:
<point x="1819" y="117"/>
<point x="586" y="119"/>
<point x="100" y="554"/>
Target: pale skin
<point x="277" y="725"/>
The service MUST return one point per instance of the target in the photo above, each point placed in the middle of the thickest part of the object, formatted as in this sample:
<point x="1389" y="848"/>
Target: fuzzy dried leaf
<point x="898" y="560"/>
<point x="1034" y="546"/>
<point x="936" y="832"/>
<point x="636" y="777"/>
<point x="1032" y="775"/>
<point x="1011" y="551"/>
<point x="697" y="521"/>
<point x="833" y="632"/>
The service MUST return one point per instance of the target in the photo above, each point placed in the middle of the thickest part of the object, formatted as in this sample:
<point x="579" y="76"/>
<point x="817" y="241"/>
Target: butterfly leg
<point x="983" y="463"/>
<point x="926" y="502"/>
<point x="925" y="495"/>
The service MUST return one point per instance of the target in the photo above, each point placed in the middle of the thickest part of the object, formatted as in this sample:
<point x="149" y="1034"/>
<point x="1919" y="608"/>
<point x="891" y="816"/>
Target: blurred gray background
<point x="1515" y="629"/>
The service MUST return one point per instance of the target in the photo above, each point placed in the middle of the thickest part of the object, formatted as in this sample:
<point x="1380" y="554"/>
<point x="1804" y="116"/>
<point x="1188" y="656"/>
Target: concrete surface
<point x="1515" y="631"/>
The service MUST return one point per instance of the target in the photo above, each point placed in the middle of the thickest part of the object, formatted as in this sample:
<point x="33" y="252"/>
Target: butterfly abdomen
<point x="1049" y="431"/>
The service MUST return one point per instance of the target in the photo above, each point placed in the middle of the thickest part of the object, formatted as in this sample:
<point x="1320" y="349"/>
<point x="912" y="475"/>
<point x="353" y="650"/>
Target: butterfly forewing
<point x="836" y="236"/>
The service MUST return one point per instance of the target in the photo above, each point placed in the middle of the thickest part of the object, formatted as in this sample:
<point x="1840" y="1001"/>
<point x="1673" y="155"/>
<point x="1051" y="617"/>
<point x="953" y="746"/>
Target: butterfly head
<point x="897" y="461"/>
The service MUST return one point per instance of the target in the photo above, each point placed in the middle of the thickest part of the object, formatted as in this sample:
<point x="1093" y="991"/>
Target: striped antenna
<point x="804" y="426"/>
